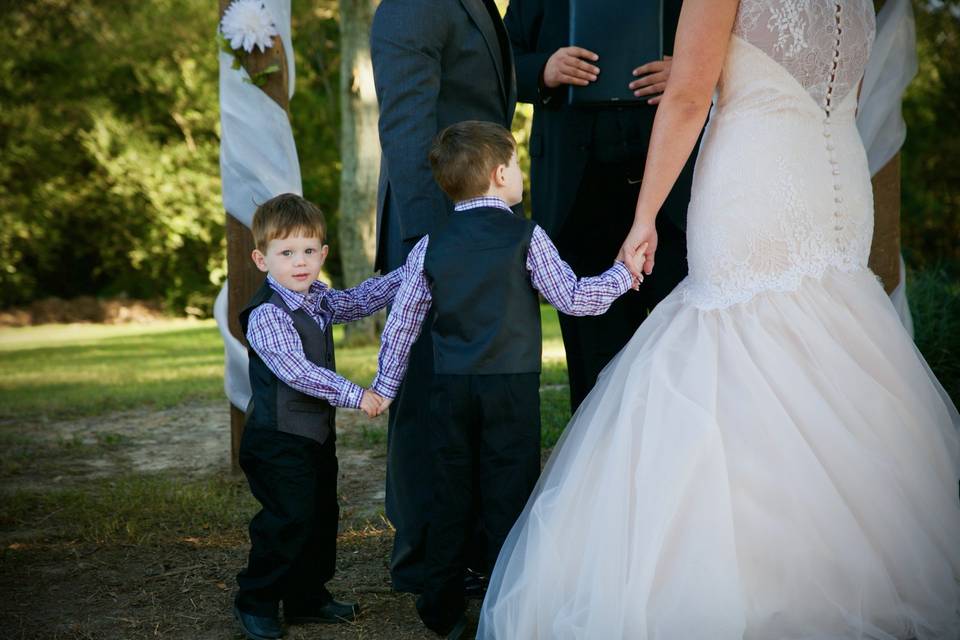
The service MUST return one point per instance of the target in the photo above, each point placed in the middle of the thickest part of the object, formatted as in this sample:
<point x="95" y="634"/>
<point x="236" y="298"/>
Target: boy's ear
<point x="260" y="260"/>
<point x="499" y="176"/>
<point x="324" y="251"/>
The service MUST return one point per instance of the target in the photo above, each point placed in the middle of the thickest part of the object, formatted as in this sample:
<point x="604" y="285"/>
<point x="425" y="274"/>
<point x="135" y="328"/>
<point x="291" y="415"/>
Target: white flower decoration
<point x="247" y="24"/>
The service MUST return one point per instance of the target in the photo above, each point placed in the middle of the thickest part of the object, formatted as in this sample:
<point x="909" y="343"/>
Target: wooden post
<point x="243" y="277"/>
<point x="885" y="251"/>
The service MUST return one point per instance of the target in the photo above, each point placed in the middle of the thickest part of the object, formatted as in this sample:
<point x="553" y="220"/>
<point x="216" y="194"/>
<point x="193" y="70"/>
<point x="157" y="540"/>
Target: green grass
<point x="75" y="370"/>
<point x="131" y="509"/>
<point x="56" y="371"/>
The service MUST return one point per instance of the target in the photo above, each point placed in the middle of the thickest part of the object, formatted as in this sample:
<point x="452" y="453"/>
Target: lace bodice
<point x="781" y="188"/>
<point x="823" y="44"/>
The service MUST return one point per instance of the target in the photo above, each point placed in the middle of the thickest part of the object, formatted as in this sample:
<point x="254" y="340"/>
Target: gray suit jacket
<point x="435" y="63"/>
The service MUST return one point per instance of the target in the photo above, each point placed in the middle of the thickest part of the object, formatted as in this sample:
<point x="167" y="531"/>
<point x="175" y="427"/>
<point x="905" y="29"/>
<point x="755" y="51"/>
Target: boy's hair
<point x="286" y="214"/>
<point x="464" y="154"/>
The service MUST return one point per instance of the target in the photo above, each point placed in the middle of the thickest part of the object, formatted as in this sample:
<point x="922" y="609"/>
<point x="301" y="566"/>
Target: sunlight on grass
<point x="59" y="370"/>
<point x="55" y="371"/>
<point x="53" y="335"/>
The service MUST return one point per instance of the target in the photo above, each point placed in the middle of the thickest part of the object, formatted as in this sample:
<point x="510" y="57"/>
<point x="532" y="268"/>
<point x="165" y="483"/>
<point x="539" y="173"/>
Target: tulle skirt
<point x="783" y="468"/>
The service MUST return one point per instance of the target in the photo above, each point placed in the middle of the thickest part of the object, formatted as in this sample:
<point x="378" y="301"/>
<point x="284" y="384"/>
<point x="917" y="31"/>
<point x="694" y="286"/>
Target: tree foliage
<point x="109" y="136"/>
<point x="931" y="173"/>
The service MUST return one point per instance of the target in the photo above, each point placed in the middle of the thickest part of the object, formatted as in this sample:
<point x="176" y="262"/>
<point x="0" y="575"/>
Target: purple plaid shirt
<point x="549" y="274"/>
<point x="270" y="332"/>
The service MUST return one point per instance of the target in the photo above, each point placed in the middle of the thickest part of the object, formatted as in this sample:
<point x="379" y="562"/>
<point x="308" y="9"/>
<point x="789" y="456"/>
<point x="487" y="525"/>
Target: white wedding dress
<point x="769" y="457"/>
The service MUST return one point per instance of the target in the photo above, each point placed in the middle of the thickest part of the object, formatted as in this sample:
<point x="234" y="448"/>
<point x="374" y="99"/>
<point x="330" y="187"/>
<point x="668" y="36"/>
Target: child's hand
<point x="372" y="403"/>
<point x="638" y="256"/>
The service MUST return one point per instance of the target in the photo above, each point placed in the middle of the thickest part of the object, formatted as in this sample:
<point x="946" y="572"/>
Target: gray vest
<point x="486" y="312"/>
<point x="276" y="405"/>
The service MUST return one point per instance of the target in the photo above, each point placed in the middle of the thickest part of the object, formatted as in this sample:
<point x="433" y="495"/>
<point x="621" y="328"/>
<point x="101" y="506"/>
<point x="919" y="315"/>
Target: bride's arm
<point x="703" y="35"/>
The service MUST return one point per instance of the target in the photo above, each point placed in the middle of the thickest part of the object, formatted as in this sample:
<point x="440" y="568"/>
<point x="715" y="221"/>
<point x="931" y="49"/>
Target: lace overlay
<point x="782" y="189"/>
<point x="802" y="35"/>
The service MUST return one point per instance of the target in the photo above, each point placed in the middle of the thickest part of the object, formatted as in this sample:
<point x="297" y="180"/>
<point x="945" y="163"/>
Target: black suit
<point x="435" y="63"/>
<point x="586" y="166"/>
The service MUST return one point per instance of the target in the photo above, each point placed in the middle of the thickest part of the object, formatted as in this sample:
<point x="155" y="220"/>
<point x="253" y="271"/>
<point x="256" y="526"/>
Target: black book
<point x="625" y="34"/>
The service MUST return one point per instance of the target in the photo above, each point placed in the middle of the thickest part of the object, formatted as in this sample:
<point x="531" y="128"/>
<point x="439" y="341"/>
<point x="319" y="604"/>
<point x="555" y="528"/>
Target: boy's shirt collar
<point x="482" y="201"/>
<point x="294" y="299"/>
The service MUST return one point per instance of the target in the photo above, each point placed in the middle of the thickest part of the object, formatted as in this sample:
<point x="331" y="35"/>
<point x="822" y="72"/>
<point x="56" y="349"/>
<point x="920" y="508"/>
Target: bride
<point x="769" y="457"/>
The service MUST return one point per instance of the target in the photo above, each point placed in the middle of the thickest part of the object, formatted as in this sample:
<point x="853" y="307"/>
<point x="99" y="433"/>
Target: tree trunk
<point x="360" y="154"/>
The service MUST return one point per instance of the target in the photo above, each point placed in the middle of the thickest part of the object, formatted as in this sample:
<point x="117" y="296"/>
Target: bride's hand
<point x="640" y="262"/>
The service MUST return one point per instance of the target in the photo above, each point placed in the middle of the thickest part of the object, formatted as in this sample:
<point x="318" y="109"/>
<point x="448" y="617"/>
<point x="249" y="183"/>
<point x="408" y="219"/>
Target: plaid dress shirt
<point x="549" y="274"/>
<point x="270" y="332"/>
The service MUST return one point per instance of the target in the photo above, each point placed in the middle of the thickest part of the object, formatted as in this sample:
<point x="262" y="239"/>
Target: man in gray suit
<point x="435" y="63"/>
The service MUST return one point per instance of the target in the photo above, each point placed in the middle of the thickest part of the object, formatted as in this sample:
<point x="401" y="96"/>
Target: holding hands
<point x="639" y="248"/>
<point x="373" y="404"/>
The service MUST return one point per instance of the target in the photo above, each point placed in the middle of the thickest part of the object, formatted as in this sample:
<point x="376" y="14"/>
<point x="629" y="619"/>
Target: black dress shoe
<point x="258" y="627"/>
<point x="474" y="585"/>
<point x="328" y="612"/>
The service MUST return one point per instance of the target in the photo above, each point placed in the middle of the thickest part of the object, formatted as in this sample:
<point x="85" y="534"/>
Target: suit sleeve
<point x="522" y="20"/>
<point x="407" y="38"/>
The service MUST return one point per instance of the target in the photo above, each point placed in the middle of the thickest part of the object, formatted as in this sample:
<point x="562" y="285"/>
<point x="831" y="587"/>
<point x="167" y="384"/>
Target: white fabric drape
<point x="258" y="160"/>
<point x="892" y="65"/>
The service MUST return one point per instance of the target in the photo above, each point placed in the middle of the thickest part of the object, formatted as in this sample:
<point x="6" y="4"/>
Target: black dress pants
<point x="293" y="538"/>
<point x="485" y="437"/>
<point x="409" y="484"/>
<point x="589" y="241"/>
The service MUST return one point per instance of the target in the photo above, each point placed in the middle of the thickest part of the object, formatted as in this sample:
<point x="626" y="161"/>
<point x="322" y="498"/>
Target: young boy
<point x="481" y="273"/>
<point x="287" y="451"/>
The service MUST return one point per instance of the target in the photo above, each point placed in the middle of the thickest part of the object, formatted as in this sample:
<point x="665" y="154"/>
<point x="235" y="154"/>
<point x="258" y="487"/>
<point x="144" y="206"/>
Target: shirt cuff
<point x="384" y="386"/>
<point x="545" y="93"/>
<point x="622" y="275"/>
<point x="350" y="396"/>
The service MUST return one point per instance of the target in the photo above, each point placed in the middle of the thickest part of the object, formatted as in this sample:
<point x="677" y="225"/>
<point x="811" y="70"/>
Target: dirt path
<point x="179" y="587"/>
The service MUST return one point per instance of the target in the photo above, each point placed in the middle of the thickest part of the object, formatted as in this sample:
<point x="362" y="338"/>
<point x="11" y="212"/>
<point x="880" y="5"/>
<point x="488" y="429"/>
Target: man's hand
<point x="568" y="65"/>
<point x="652" y="79"/>
<point x="373" y="404"/>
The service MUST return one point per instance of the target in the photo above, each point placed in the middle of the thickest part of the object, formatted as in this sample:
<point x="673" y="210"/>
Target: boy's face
<point x="294" y="261"/>
<point x="512" y="181"/>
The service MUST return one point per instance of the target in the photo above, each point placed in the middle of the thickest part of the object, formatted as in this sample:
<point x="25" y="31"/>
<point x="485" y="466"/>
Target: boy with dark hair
<point x="481" y="273"/>
<point x="288" y="450"/>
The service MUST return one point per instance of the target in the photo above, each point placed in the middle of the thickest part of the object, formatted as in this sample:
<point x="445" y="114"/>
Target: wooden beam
<point x="885" y="251"/>
<point x="243" y="276"/>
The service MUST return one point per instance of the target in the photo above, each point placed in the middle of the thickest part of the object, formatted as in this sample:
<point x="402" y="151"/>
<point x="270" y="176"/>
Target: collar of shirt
<point x="482" y="201"/>
<point x="294" y="299"/>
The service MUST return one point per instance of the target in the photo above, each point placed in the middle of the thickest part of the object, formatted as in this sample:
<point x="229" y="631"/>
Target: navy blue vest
<point x="276" y="405"/>
<point x="486" y="312"/>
